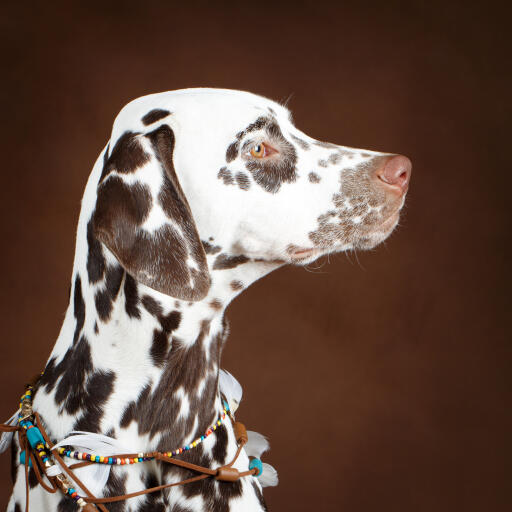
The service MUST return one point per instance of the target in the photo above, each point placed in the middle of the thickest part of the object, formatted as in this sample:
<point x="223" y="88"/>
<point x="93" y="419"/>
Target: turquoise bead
<point x="256" y="463"/>
<point x="23" y="456"/>
<point x="35" y="437"/>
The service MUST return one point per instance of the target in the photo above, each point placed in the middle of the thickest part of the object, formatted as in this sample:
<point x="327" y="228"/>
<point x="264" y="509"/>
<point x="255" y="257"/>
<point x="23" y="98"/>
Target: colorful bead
<point x="256" y="463"/>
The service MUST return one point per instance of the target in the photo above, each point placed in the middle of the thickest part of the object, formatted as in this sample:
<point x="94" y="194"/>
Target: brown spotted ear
<point x="168" y="256"/>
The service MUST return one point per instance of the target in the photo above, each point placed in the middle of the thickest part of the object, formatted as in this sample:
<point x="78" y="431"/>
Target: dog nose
<point x="396" y="173"/>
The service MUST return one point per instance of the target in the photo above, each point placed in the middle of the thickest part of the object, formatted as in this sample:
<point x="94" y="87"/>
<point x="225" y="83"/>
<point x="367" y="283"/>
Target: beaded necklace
<point x="143" y="457"/>
<point x="43" y="450"/>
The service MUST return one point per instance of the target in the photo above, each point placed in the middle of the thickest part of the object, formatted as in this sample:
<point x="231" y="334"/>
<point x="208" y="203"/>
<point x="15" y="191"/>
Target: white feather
<point x="268" y="477"/>
<point x="94" y="476"/>
<point x="6" y="437"/>
<point x="231" y="389"/>
<point x="256" y="445"/>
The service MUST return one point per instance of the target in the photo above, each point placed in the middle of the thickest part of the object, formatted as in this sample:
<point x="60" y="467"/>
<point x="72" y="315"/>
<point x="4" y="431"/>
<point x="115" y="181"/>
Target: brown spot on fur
<point x="313" y="177"/>
<point x="155" y="115"/>
<point x="210" y="248"/>
<point x="226" y="176"/>
<point x="216" y="304"/>
<point x="232" y="151"/>
<point x="126" y="157"/>
<point x="151" y="305"/>
<point x="302" y="143"/>
<point x="242" y="181"/>
<point x="236" y="285"/>
<point x="224" y="261"/>
<point x="105" y="297"/>
<point x="334" y="158"/>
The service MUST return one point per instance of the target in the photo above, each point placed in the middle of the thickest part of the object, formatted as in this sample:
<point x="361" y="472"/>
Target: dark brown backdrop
<point x="382" y="379"/>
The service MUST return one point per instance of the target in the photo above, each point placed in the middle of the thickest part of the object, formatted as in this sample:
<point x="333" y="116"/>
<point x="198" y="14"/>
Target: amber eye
<point x="258" y="150"/>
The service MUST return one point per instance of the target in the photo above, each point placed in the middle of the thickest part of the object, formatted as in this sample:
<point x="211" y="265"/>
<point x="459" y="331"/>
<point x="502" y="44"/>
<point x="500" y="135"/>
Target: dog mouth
<point x="365" y="240"/>
<point x="303" y="254"/>
<point x="389" y="224"/>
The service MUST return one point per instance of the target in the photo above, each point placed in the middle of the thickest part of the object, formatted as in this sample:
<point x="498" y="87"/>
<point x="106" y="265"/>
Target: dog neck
<point x="136" y="364"/>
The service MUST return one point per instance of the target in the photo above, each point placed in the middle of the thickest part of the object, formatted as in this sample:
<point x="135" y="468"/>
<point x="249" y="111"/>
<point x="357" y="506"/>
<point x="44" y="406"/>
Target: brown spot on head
<point x="243" y="181"/>
<point x="210" y="248"/>
<point x="322" y="163"/>
<point x="216" y="304"/>
<point x="126" y="156"/>
<point x="302" y="143"/>
<point x="155" y="115"/>
<point x="225" y="261"/>
<point x="151" y="305"/>
<point x="236" y="285"/>
<point x="232" y="151"/>
<point x="226" y="176"/>
<point x="314" y="177"/>
<point x="334" y="158"/>
<point x="327" y="145"/>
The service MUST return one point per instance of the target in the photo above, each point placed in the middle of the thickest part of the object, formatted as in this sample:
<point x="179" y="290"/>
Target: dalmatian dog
<point x="198" y="193"/>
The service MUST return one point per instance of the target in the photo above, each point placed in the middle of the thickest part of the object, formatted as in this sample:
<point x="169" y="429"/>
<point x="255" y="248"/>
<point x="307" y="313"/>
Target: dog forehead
<point x="216" y="107"/>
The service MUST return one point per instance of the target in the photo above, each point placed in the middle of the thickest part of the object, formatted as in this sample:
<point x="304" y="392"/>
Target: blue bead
<point x="35" y="437"/>
<point x="226" y="405"/>
<point x="23" y="456"/>
<point x="110" y="460"/>
<point x="256" y="463"/>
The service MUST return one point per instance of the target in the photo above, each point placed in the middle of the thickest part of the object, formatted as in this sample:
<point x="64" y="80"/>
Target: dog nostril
<point x="396" y="172"/>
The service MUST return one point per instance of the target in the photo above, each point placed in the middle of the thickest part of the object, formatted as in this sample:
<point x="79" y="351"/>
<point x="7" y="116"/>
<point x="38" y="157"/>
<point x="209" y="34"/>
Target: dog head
<point x="230" y="168"/>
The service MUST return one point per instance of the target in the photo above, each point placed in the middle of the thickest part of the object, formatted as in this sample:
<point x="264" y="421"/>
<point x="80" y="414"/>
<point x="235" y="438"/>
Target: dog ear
<point x="143" y="217"/>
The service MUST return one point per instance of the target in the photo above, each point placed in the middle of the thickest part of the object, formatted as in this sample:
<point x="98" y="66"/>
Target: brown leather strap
<point x="224" y="473"/>
<point x="61" y="462"/>
<point x="9" y="428"/>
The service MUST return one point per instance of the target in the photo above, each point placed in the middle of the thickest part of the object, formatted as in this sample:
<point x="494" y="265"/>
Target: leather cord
<point x="223" y="473"/>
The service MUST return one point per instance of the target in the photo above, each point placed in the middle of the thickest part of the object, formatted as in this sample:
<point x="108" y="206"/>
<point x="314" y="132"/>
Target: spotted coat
<point x="177" y="219"/>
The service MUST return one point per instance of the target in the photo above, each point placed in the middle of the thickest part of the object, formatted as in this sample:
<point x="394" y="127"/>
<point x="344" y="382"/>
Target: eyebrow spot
<point x="155" y="115"/>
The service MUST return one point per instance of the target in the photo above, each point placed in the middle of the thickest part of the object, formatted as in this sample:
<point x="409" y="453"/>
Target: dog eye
<point x="259" y="150"/>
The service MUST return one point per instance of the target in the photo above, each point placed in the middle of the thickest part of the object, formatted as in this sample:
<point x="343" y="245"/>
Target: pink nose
<point x="396" y="173"/>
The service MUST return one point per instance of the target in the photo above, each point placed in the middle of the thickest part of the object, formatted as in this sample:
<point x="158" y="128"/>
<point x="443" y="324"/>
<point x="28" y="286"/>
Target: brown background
<point x="382" y="378"/>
